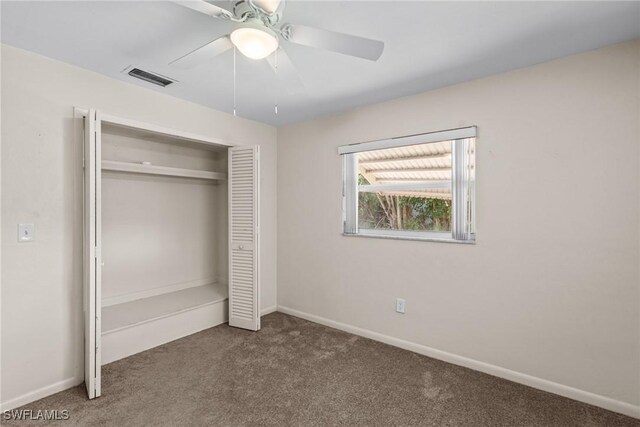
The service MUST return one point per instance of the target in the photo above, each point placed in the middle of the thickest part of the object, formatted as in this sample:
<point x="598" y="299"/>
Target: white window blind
<point x="413" y="187"/>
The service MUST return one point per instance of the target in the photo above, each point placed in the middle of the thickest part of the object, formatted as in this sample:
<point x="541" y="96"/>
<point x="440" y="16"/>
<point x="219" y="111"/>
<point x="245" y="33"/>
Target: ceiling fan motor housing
<point x="249" y="9"/>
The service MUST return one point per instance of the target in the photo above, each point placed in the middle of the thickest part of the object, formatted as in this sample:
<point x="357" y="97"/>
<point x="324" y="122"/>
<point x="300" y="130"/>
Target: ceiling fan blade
<point x="204" y="53"/>
<point x="286" y="71"/>
<point x="337" y="42"/>
<point x="204" y="7"/>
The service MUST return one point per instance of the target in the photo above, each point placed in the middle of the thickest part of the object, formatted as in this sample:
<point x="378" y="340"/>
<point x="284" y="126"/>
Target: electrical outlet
<point x="400" y="305"/>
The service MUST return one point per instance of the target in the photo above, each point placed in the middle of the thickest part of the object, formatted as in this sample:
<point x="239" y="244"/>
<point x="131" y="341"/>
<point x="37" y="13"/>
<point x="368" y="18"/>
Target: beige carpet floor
<point x="295" y="372"/>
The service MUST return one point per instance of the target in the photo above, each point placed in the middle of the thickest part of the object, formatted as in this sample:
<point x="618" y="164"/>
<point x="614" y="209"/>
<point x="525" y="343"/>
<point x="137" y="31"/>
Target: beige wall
<point x="42" y="183"/>
<point x="551" y="289"/>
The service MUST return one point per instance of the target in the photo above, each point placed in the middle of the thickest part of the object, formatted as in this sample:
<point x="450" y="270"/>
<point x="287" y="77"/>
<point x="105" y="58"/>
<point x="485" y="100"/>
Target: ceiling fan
<point x="257" y="32"/>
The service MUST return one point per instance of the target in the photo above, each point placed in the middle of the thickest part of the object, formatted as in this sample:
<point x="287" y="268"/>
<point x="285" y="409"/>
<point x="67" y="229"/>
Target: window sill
<point x="375" y="235"/>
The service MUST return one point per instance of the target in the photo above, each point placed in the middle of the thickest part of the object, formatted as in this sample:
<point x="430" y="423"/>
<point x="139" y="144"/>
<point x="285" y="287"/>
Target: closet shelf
<point x="134" y="313"/>
<point x="112" y="165"/>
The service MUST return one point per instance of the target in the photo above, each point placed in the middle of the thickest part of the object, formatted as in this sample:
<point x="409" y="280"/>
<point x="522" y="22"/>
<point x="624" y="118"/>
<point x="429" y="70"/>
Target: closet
<point x="171" y="232"/>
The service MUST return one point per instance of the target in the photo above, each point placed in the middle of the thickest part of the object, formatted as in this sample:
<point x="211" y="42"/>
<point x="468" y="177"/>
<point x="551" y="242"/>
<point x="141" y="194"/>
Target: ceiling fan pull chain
<point x="275" y="108"/>
<point x="234" y="82"/>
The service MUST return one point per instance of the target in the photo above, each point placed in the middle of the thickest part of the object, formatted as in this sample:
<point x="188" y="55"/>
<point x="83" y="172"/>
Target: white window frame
<point x="462" y="186"/>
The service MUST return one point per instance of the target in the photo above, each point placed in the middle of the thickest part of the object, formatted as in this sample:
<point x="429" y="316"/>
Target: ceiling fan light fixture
<point x="254" y="41"/>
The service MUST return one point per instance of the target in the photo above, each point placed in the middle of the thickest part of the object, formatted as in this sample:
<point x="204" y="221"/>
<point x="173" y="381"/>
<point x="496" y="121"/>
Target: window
<point x="416" y="187"/>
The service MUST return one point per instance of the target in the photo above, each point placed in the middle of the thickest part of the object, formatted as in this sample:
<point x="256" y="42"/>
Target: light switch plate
<point x="26" y="232"/>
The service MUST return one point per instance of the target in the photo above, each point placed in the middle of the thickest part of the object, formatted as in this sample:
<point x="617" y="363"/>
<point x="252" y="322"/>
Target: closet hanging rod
<point x="111" y="165"/>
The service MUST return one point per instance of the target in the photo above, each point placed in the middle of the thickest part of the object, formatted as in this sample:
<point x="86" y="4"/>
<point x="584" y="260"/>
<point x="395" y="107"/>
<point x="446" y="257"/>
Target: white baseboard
<point x="39" y="393"/>
<point x="497" y="371"/>
<point x="268" y="310"/>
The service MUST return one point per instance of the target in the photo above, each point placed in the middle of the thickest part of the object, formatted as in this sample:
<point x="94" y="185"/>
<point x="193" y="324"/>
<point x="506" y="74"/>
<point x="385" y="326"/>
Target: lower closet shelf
<point x="135" y="326"/>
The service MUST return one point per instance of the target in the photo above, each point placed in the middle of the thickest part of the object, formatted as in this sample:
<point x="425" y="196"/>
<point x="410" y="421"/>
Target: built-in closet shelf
<point x="112" y="165"/>
<point x="133" y="313"/>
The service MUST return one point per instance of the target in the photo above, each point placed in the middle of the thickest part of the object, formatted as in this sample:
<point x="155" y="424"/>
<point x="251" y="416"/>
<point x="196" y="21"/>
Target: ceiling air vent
<point x="150" y="77"/>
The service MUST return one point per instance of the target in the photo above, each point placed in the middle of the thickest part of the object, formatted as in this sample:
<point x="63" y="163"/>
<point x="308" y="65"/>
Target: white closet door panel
<point x="92" y="259"/>
<point x="98" y="257"/>
<point x="244" y="295"/>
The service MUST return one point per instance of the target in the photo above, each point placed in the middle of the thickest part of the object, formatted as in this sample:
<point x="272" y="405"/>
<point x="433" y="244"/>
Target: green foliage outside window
<point x="393" y="212"/>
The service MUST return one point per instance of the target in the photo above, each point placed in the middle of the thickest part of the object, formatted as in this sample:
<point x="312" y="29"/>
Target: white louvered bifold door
<point x="92" y="257"/>
<point x="244" y="232"/>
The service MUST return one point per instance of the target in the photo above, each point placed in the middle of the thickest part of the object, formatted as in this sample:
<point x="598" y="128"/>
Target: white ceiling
<point x="428" y="45"/>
